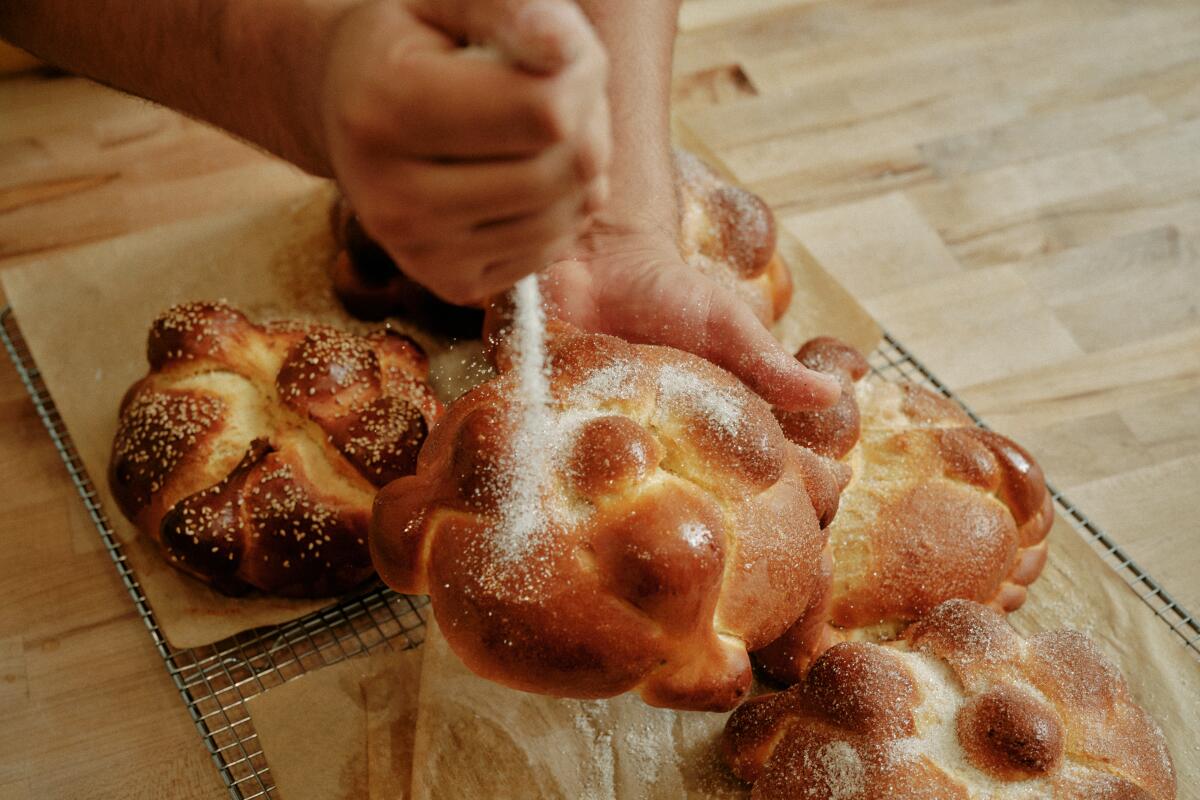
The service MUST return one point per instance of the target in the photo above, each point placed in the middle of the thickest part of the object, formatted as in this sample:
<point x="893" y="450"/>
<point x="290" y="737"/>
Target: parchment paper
<point x="475" y="738"/>
<point x="343" y="732"/>
<point x="85" y="315"/>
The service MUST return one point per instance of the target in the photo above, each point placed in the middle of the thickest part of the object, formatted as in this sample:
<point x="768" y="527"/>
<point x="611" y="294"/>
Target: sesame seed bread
<point x="251" y="454"/>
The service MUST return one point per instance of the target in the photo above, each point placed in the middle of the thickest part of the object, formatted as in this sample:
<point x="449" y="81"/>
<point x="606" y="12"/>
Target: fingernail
<point x="543" y="28"/>
<point x="829" y="385"/>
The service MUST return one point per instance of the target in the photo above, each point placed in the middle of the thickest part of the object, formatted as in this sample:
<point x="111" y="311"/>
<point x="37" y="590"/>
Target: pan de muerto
<point x="936" y="508"/>
<point x="962" y="709"/>
<point x="677" y="529"/>
<point x="251" y="454"/>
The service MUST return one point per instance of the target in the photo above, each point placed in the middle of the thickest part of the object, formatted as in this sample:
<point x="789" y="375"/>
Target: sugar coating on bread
<point x="680" y="529"/>
<point x="729" y="234"/>
<point x="250" y="453"/>
<point x="962" y="707"/>
<point x="936" y="508"/>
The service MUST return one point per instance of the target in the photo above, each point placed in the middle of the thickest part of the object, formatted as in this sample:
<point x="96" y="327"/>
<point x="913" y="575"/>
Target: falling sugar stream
<point x="521" y="516"/>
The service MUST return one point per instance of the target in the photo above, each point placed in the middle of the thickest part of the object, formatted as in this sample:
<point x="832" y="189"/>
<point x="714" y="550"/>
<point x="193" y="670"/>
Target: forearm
<point x="639" y="37"/>
<point x="252" y="67"/>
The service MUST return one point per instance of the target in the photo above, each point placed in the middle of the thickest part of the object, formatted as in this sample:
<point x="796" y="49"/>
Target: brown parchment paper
<point x="85" y="314"/>
<point x="475" y="738"/>
<point x="343" y="732"/>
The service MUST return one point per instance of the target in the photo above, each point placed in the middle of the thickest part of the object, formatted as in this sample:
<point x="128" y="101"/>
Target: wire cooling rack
<point x="215" y="680"/>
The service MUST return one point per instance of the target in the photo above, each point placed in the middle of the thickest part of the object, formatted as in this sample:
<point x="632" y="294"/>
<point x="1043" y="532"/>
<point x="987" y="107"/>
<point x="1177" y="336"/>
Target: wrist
<point x="292" y="44"/>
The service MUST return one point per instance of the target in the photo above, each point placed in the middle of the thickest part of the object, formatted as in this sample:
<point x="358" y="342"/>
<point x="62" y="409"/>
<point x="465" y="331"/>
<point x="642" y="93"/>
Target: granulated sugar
<point x="521" y="515"/>
<point x="685" y="391"/>
<point x="838" y="766"/>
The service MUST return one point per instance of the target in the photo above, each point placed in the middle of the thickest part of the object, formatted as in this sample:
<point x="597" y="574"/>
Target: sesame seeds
<point x="157" y="429"/>
<point x="292" y="511"/>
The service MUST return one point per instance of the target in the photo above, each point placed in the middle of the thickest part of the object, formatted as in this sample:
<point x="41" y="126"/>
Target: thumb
<point x="735" y="339"/>
<point x="541" y="36"/>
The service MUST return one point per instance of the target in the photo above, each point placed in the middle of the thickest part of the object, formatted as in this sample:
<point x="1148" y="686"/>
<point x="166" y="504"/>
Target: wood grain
<point x="1012" y="188"/>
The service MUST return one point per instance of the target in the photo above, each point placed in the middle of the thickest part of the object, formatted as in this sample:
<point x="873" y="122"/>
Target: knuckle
<point x="358" y="117"/>
<point x="550" y="117"/>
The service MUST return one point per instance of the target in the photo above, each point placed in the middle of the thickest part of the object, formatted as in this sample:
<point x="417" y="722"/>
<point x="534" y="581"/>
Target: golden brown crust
<point x="678" y="530"/>
<point x="372" y="287"/>
<point x="937" y="508"/>
<point x="962" y="708"/>
<point x="729" y="234"/>
<point x="251" y="453"/>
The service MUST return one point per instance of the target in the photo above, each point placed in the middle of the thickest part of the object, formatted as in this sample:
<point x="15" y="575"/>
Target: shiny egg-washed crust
<point x="963" y="708"/>
<point x="251" y="454"/>
<point x="729" y="234"/>
<point x="371" y="287"/>
<point x="937" y="507"/>
<point x="680" y="529"/>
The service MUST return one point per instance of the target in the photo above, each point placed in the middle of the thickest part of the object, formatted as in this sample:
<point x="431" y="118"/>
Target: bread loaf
<point x="963" y="708"/>
<point x="725" y="232"/>
<point x="729" y="234"/>
<point x="251" y="454"/>
<point x="678" y="529"/>
<point x="936" y="508"/>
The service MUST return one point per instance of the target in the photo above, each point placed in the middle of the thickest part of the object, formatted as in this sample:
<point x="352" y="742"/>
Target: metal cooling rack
<point x="215" y="680"/>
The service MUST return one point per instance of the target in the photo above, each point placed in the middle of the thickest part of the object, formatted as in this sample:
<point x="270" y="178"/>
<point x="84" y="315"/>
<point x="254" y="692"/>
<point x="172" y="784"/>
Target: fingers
<point x="541" y="36"/>
<point x="544" y="36"/>
<point x="468" y="194"/>
<point x="668" y="303"/>
<point x="471" y="166"/>
<point x="736" y="340"/>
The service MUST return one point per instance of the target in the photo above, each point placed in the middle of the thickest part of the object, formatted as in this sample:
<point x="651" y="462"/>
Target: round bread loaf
<point x="729" y="234"/>
<point x="962" y="709"/>
<point x="676" y="531"/>
<point x="251" y="454"/>
<point x="936" y="508"/>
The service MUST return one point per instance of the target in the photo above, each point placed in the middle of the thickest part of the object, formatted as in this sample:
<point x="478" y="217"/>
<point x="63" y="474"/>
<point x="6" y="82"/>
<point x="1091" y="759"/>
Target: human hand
<point x="632" y="283"/>
<point x="472" y="168"/>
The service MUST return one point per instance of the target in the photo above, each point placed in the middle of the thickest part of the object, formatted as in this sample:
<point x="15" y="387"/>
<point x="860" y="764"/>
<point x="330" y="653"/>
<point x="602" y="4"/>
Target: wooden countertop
<point x="1012" y="188"/>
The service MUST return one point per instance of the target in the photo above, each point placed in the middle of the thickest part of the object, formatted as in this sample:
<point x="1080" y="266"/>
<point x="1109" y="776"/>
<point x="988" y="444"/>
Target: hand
<point x="472" y="167"/>
<point x="632" y="283"/>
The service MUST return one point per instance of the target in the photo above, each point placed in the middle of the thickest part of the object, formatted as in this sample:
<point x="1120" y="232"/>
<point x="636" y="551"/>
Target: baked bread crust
<point x="251" y="453"/>
<point x="937" y="507"/>
<point x="371" y="287"/>
<point x="678" y="531"/>
<point x="962" y="708"/>
<point x="728" y="233"/>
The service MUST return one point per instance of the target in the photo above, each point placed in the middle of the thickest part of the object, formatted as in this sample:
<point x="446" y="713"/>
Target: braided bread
<point x="962" y="708"/>
<point x="937" y="508"/>
<point x="251" y="454"/>
<point x="729" y="234"/>
<point x="678" y="529"/>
